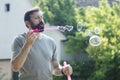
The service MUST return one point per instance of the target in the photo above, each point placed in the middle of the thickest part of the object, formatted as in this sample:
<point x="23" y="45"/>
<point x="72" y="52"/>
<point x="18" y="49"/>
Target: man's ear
<point x="28" y="24"/>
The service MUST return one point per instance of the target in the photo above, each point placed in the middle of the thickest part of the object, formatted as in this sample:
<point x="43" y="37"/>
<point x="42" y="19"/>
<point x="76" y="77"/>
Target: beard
<point x="39" y="26"/>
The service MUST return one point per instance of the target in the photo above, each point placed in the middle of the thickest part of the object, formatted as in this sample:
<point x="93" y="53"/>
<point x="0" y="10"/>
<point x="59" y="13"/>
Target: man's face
<point x="37" y="21"/>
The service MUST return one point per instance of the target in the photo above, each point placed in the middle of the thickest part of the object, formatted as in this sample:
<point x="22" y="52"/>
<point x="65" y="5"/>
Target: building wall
<point x="81" y="3"/>
<point x="11" y="23"/>
<point x="84" y="3"/>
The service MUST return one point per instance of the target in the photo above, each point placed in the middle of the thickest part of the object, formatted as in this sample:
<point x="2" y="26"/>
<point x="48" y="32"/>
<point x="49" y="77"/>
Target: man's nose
<point x="41" y="22"/>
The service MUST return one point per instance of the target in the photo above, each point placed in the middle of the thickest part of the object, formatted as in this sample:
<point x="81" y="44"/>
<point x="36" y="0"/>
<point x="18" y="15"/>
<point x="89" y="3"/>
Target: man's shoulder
<point x="47" y="37"/>
<point x="20" y="37"/>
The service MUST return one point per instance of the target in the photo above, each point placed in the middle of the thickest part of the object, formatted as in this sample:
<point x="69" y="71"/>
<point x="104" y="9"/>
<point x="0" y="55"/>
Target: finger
<point x="33" y="36"/>
<point x="64" y="71"/>
<point x="30" y="32"/>
<point x="65" y="63"/>
<point x="68" y="70"/>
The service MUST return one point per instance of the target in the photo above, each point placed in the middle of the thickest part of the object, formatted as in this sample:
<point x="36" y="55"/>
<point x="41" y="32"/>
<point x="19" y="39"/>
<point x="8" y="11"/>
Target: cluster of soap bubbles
<point x="64" y="28"/>
<point x="94" y="39"/>
<point x="60" y="28"/>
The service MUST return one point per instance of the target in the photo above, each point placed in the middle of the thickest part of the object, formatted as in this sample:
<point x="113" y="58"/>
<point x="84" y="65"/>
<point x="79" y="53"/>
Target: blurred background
<point x="92" y="48"/>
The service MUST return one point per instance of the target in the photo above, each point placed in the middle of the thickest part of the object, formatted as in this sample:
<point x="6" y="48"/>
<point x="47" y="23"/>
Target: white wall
<point x="11" y="23"/>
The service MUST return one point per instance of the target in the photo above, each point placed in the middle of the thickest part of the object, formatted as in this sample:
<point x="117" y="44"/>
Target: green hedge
<point x="81" y="70"/>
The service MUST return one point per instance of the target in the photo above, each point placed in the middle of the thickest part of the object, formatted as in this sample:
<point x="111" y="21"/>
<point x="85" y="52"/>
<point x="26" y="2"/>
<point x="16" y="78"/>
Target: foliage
<point x="76" y="44"/>
<point x="107" y="55"/>
<point x="58" y="12"/>
<point x="80" y="40"/>
<point x="81" y="70"/>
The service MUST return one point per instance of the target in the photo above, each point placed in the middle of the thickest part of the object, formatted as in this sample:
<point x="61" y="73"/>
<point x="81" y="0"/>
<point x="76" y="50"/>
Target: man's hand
<point x="31" y="37"/>
<point x="67" y="69"/>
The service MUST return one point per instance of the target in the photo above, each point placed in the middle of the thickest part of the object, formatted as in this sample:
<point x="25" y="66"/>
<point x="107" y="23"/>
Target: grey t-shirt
<point x="38" y="63"/>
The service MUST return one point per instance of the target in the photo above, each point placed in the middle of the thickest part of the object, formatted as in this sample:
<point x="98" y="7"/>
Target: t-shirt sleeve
<point x="54" y="57"/>
<point x="16" y="46"/>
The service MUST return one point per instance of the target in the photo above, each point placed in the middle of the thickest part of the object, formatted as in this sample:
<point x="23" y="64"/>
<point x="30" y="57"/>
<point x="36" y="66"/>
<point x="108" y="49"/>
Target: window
<point x="7" y="7"/>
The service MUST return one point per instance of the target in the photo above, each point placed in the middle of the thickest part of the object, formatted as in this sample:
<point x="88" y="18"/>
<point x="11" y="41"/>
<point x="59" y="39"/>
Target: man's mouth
<point x="40" y="27"/>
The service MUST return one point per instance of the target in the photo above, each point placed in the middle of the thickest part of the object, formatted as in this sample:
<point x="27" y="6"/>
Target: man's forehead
<point x="37" y="14"/>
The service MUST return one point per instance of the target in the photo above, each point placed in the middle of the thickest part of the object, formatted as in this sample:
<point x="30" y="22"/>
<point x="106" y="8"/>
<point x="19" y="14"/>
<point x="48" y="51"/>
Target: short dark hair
<point x="30" y="12"/>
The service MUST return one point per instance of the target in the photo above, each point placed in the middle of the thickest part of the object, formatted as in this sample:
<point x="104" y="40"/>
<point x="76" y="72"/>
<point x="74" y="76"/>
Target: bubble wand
<point x="36" y="30"/>
<point x="60" y="28"/>
<point x="68" y="76"/>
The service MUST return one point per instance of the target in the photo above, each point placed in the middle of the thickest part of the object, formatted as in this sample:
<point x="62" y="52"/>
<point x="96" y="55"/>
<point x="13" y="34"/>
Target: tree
<point x="107" y="55"/>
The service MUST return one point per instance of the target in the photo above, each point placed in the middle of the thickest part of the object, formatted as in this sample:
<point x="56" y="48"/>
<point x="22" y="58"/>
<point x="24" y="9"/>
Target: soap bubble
<point x="96" y="30"/>
<point x="88" y="32"/>
<point x="62" y="28"/>
<point x="69" y="28"/>
<point x="95" y="40"/>
<point x="80" y="25"/>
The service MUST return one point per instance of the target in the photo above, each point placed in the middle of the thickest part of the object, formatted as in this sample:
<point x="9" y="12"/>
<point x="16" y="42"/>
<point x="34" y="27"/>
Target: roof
<point x="5" y="59"/>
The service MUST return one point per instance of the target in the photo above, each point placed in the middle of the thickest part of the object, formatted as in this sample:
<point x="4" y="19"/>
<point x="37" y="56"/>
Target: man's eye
<point x="36" y="20"/>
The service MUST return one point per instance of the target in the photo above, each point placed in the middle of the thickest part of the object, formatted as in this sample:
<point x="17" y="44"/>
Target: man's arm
<point x="18" y="60"/>
<point x="57" y="68"/>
